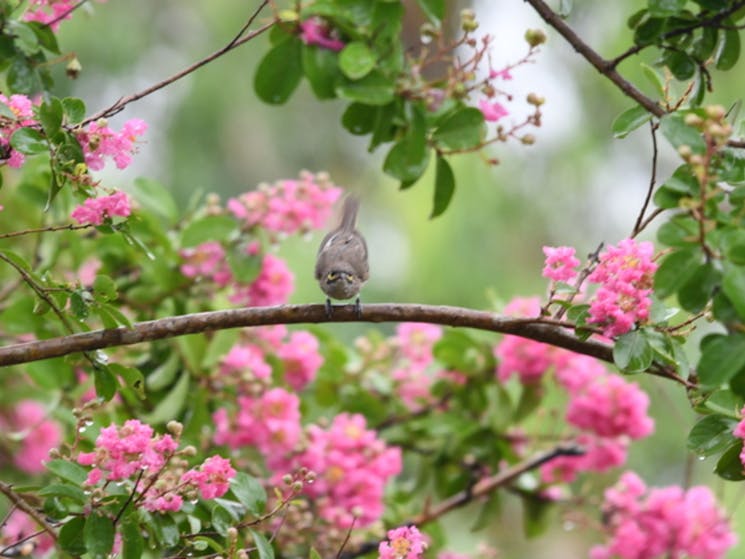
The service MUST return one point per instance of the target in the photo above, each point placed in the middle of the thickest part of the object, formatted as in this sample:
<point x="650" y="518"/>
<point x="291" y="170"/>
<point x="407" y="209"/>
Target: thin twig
<point x="68" y="227"/>
<point x="652" y="180"/>
<point x="234" y="43"/>
<point x="64" y="14"/>
<point x="19" y="502"/>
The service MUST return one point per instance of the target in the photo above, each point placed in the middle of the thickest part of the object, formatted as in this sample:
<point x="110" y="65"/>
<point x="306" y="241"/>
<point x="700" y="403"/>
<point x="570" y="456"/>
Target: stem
<point x="19" y="502"/>
<point x="68" y="227"/>
<point x="640" y="220"/>
<point x="234" y="43"/>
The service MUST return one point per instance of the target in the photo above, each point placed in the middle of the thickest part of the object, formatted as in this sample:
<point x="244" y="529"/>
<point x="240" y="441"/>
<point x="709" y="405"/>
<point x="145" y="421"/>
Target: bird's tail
<point x="349" y="213"/>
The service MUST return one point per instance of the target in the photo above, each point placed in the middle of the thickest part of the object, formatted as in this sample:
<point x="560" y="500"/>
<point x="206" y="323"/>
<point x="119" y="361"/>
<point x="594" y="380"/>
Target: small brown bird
<point x="341" y="264"/>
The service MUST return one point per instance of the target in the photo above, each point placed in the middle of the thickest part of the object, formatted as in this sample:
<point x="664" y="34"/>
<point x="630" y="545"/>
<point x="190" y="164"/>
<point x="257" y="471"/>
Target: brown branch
<point x="19" y="502"/>
<point x="486" y="485"/>
<point x="234" y="43"/>
<point x="68" y="227"/>
<point x="170" y="327"/>
<point x="652" y="180"/>
<point x="602" y="65"/>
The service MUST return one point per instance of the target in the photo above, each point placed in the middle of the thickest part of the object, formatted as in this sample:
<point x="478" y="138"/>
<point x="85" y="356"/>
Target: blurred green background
<point x="576" y="186"/>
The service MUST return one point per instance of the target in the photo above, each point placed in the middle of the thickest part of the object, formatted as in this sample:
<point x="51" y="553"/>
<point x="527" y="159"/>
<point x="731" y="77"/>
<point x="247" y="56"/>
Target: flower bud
<point x="73" y="68"/>
<point x="175" y="428"/>
<point x="288" y="16"/>
<point x="692" y="119"/>
<point x="528" y="139"/>
<point x="685" y="151"/>
<point x="715" y="112"/>
<point x="535" y="37"/>
<point x="535" y="99"/>
<point x="468" y="20"/>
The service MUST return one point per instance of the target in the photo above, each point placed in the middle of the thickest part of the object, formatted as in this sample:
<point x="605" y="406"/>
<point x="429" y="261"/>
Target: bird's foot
<point x="329" y="308"/>
<point x="358" y="308"/>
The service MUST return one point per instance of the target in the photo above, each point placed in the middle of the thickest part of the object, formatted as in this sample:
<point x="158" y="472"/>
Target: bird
<point x="341" y="263"/>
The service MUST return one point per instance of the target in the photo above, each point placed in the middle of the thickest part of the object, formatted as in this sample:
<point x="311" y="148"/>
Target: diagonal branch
<point x="550" y="331"/>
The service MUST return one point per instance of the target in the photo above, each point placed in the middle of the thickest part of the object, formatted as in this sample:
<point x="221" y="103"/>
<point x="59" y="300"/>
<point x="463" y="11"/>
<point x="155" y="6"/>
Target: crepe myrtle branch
<point x="608" y="67"/>
<point x="550" y="331"/>
<point x="22" y="504"/>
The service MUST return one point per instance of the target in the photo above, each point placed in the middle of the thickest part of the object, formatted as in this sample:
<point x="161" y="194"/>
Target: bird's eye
<point x="349" y="278"/>
<point x="331" y="276"/>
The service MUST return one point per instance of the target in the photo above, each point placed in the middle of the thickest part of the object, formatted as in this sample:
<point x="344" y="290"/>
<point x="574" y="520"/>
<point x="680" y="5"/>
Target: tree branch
<point x="602" y="65"/>
<point x="234" y="43"/>
<point x="532" y="328"/>
<point x="19" y="502"/>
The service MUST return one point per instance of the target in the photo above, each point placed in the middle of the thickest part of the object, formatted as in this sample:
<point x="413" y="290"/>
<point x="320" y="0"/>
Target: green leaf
<point x="654" y="78"/>
<point x="632" y="352"/>
<point x="682" y="66"/>
<point x="729" y="49"/>
<point x="156" y="198"/>
<point x="711" y="434"/>
<point x="105" y="382"/>
<point x="649" y="30"/>
<point x="211" y="228"/>
<point x="22" y="77"/>
<point x="74" y="109"/>
<point x="132" y="377"/>
<point x="262" y="545"/>
<point x="45" y="36"/>
<point x="674" y="271"/>
<point x="461" y="130"/>
<point x="530" y="398"/>
<point x="165" y="374"/>
<point x="356" y="60"/>
<point x="536" y="515"/>
<point x="25" y="38"/>
<point x="313" y="554"/>
<point x="683" y="181"/>
<point x="245" y="267"/>
<point x="407" y="159"/>
<point x="279" y="72"/>
<point x="433" y="9"/>
<point x="221" y="520"/>
<point x="133" y="544"/>
<point x="444" y="187"/>
<point x="359" y="119"/>
<point x="51" y="374"/>
<point x="71" y="538"/>
<point x="321" y="68"/>
<point x="722" y="357"/>
<point x="64" y="490"/>
<point x="373" y="89"/>
<point x="50" y="116"/>
<point x="678" y="133"/>
<point x="171" y="406"/>
<point x="630" y="120"/>
<point x="104" y="287"/>
<point x="249" y="492"/>
<point x="704" y="45"/>
<point x="729" y="466"/>
<point x="67" y="470"/>
<point x="733" y="285"/>
<point x="665" y="7"/>
<point x="698" y="290"/>
<point x="29" y="141"/>
<point x="98" y="534"/>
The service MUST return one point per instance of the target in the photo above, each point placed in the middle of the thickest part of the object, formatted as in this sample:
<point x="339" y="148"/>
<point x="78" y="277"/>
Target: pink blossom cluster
<point x="625" y="273"/>
<point x="561" y="263"/>
<point x="272" y="286"/>
<point x="270" y="422"/>
<point x="95" y="210"/>
<point x="298" y="353"/>
<point x="315" y="31"/>
<point x="51" y="12"/>
<point x="405" y="542"/>
<point x="134" y="451"/>
<point x="606" y="410"/>
<point x="352" y="466"/>
<point x="206" y="260"/>
<point x="739" y="432"/>
<point x="288" y="206"/>
<point x="663" y="522"/>
<point x="14" y="532"/>
<point x="492" y="110"/>
<point x="411" y="372"/>
<point x="99" y="142"/>
<point x="22" y="109"/>
<point x="36" y="433"/>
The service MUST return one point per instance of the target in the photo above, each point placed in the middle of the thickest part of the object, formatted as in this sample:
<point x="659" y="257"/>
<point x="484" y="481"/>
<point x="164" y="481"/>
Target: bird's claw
<point x="329" y="308"/>
<point x="358" y="308"/>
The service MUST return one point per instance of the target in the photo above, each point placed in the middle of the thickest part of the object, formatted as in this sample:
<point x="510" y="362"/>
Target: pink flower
<point x="601" y="454"/>
<point x="14" y="532"/>
<point x="416" y="340"/>
<point x="245" y="358"/>
<point x="212" y="477"/>
<point x="272" y="286"/>
<point x="610" y="407"/>
<point x="315" y="31"/>
<point x="405" y="542"/>
<point x="301" y="359"/>
<point x="561" y="263"/>
<point x="22" y="108"/>
<point x="99" y="141"/>
<point x="503" y="74"/>
<point x="50" y="12"/>
<point x="663" y="522"/>
<point x="576" y="371"/>
<point x="37" y="435"/>
<point x="206" y="260"/>
<point x="288" y="206"/>
<point x="492" y="110"/>
<point x="625" y="273"/>
<point x="95" y="210"/>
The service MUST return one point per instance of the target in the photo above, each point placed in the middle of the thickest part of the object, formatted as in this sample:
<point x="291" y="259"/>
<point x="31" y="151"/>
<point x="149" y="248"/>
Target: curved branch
<point x="548" y="331"/>
<point x="234" y="43"/>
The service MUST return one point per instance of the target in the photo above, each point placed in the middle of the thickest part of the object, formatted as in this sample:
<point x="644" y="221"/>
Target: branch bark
<point x="533" y="328"/>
